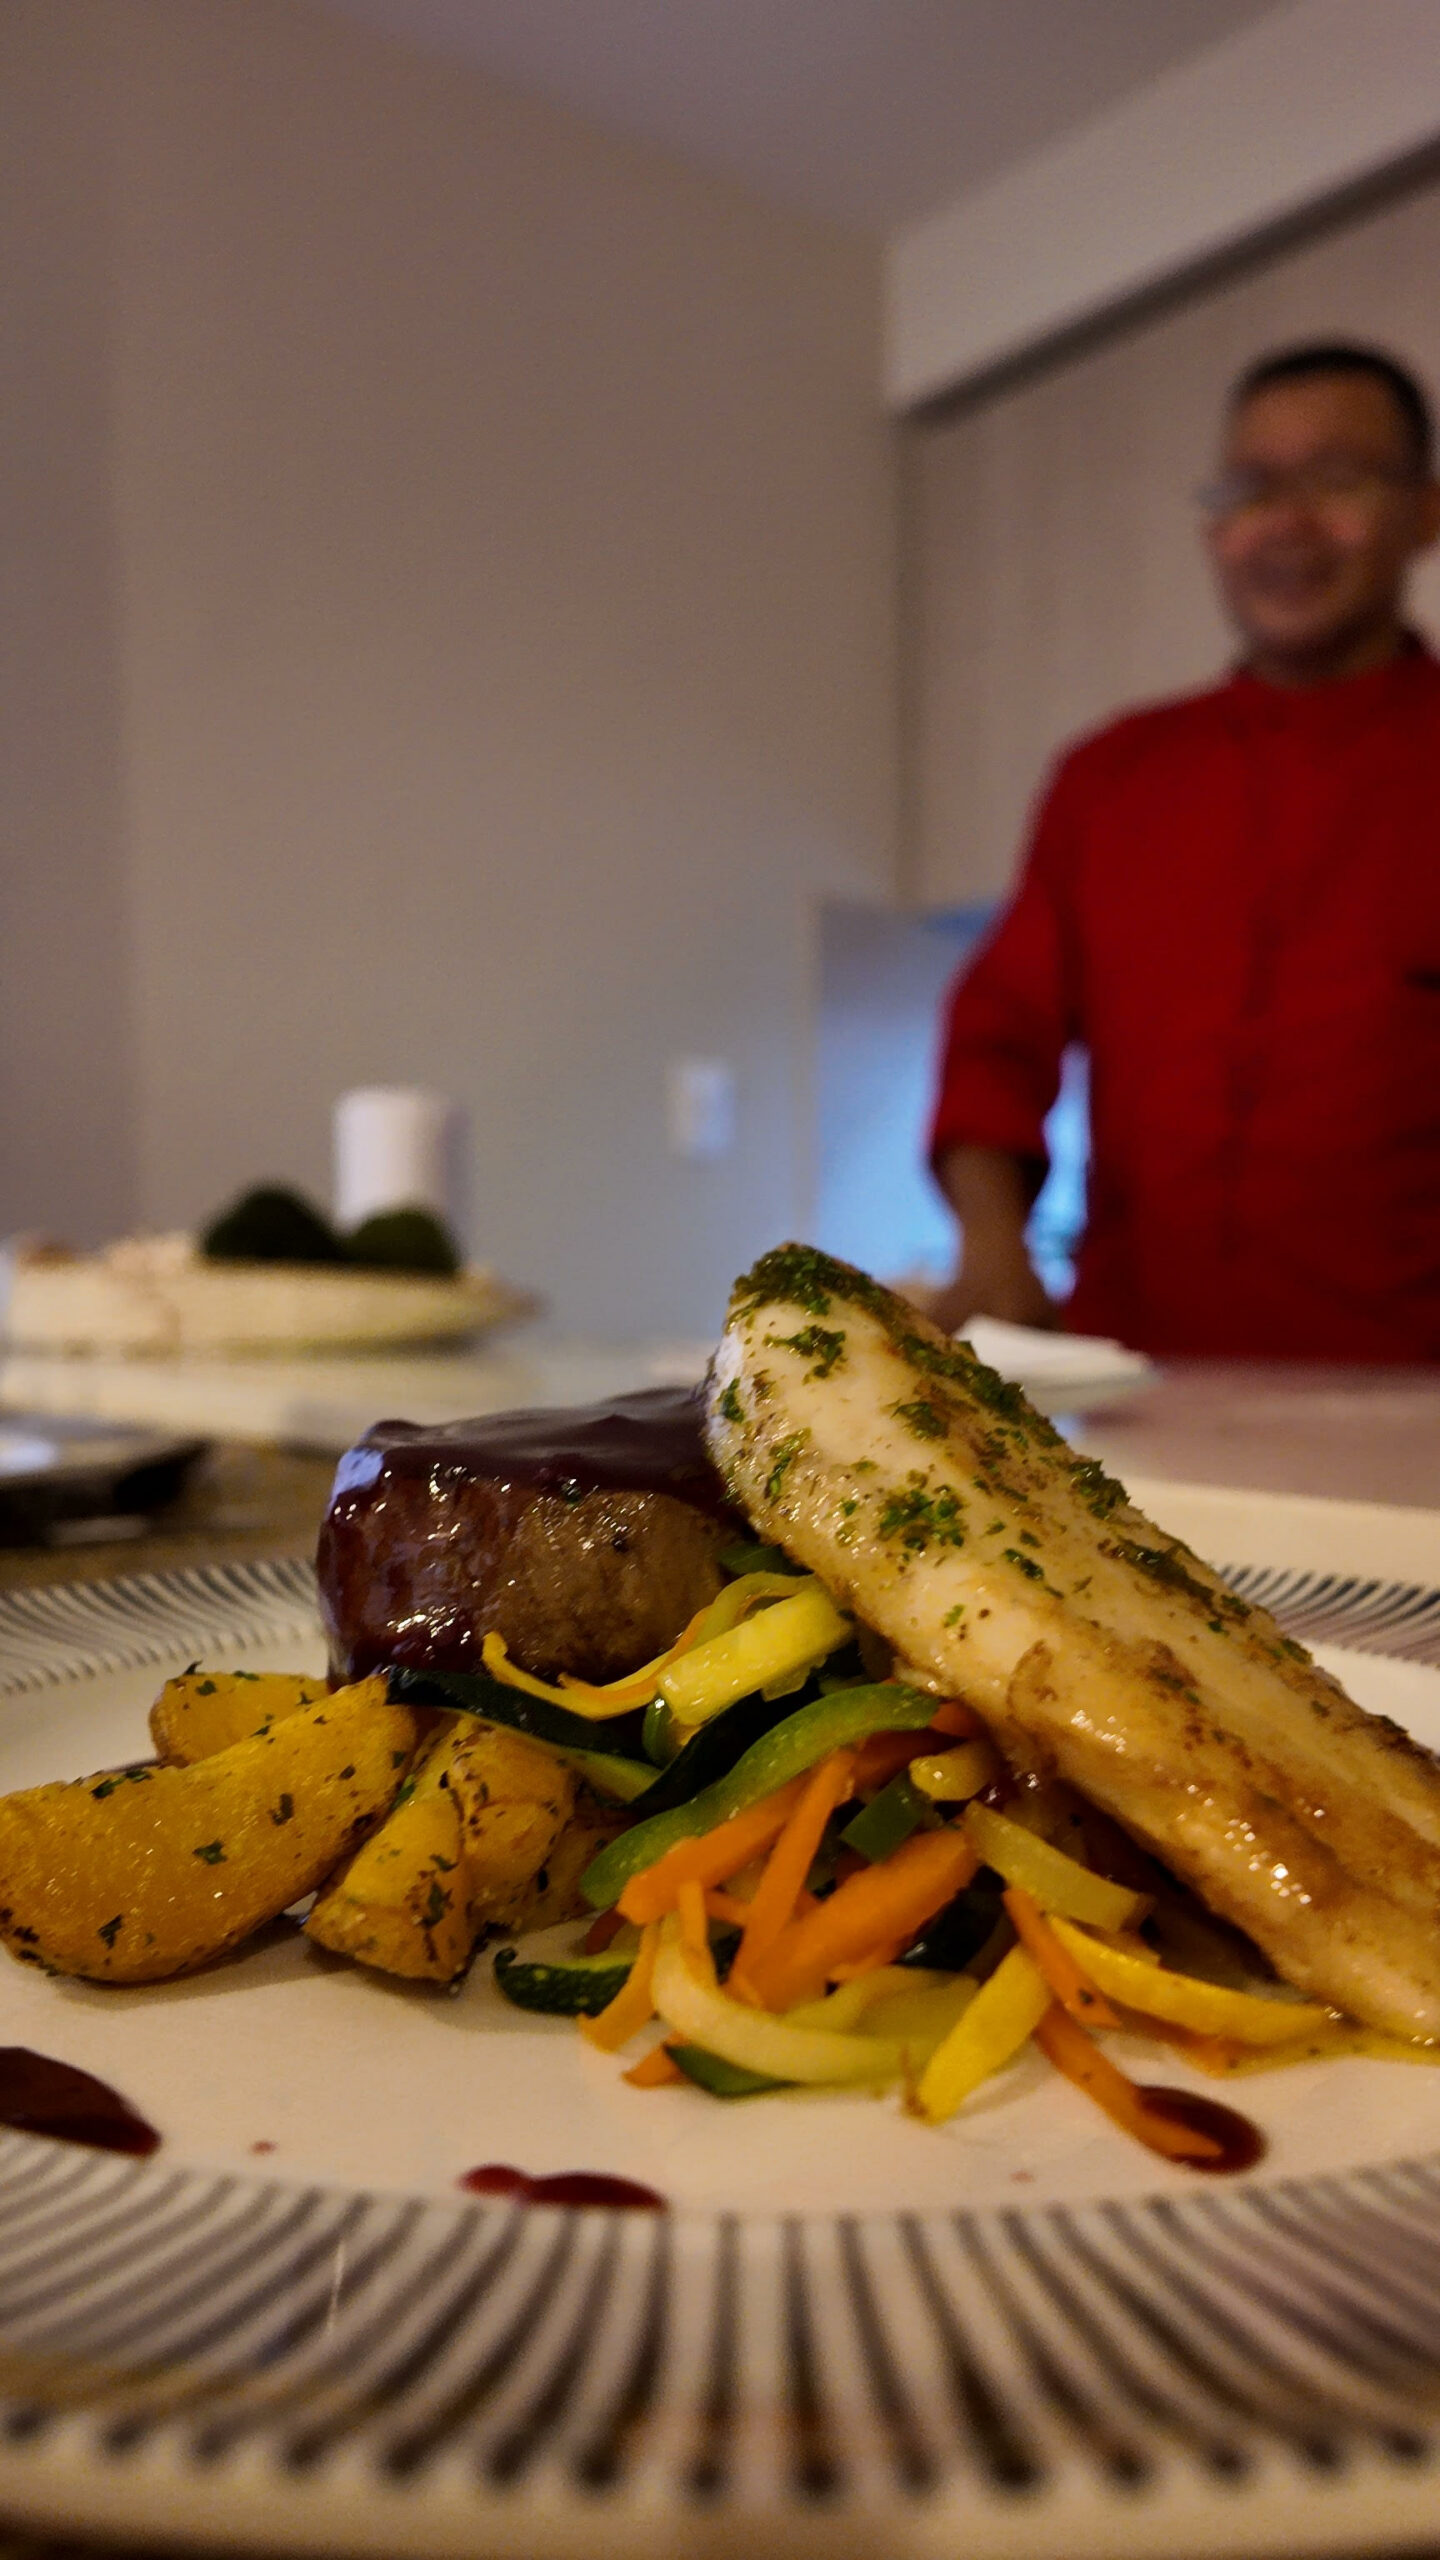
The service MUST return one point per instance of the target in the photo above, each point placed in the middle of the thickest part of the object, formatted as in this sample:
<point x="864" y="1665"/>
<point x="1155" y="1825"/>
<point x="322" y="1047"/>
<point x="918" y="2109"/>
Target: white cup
<point x="393" y="1150"/>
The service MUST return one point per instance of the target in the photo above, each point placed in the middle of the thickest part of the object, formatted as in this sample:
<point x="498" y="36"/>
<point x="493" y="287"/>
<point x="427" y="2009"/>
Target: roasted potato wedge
<point x="202" y="1712"/>
<point x="554" y="1891"/>
<point x="515" y="1799"/>
<point x="402" y="1902"/>
<point x="139" y="1876"/>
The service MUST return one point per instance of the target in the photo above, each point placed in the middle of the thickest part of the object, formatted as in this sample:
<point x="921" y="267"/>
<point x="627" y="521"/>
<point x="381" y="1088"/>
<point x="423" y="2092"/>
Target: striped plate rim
<point x="301" y="2368"/>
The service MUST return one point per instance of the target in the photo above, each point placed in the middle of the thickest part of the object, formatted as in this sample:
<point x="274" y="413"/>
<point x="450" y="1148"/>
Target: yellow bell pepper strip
<point x="710" y="1860"/>
<point x="1058" y="1883"/>
<point x="791" y="1747"/>
<point x="1002" y="2017"/>
<point x="633" y="2005"/>
<point x="1071" y="2051"/>
<point x="1186" y="2002"/>
<point x="877" y="1909"/>
<point x="776" y="1644"/>
<point x="789" y="1863"/>
<point x="703" y="2015"/>
<point x="1071" y="1986"/>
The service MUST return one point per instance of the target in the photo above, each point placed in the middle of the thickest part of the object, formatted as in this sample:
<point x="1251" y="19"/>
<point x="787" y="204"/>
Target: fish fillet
<point x="1005" y="1570"/>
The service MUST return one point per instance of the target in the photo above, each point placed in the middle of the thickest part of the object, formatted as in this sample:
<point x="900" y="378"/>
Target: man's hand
<point x="996" y="1277"/>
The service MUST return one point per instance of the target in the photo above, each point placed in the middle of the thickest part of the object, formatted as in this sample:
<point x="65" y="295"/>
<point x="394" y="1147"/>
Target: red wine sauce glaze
<point x="38" y="2095"/>
<point x="567" y="2186"/>
<point x="1241" y="2142"/>
<point x="650" y="1441"/>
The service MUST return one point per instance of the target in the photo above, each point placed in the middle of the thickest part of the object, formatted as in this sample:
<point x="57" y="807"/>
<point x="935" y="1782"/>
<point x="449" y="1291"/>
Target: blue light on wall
<point x="883" y="979"/>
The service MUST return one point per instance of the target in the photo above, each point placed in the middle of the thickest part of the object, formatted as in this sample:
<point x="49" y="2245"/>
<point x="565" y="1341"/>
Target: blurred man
<point x="1233" y="900"/>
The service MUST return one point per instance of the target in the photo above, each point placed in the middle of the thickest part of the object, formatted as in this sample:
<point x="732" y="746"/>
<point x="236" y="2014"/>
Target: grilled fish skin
<point x="949" y="1515"/>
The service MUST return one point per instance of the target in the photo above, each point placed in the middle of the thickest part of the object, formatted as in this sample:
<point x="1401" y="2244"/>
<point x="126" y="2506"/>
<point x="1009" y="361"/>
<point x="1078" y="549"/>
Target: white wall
<point x="505" y="533"/>
<point x="67" y="1121"/>
<point x="1257" y="129"/>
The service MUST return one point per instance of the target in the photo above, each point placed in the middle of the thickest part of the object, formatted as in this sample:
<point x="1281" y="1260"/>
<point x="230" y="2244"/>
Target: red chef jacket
<point x="1234" y="901"/>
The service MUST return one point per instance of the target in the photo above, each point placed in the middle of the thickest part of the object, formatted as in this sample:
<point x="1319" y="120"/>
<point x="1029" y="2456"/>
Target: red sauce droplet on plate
<point x="565" y="2186"/>
<point x="1241" y="2142"/>
<point x="494" y="2180"/>
<point x="39" y="2095"/>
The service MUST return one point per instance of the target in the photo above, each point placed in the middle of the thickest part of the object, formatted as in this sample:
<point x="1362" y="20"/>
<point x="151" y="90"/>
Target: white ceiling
<point x="864" y="112"/>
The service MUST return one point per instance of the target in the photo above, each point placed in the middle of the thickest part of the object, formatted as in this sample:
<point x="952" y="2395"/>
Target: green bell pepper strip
<point x="889" y="1819"/>
<point x="785" y="1752"/>
<point x="742" y="1560"/>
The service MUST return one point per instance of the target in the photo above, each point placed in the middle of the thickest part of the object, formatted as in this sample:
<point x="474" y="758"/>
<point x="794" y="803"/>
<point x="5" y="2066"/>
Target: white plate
<point x="1060" y="1372"/>
<point x="1018" y="2335"/>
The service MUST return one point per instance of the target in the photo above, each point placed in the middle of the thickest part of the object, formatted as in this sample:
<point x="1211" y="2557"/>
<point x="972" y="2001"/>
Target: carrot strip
<point x="870" y="1910"/>
<point x="871" y="1963"/>
<point x="1219" y="2055"/>
<point x="633" y="2005"/>
<point x="1070" y="2049"/>
<point x="654" y="2070"/>
<point x="600" y="1932"/>
<point x="1072" y="1988"/>
<point x="959" y="1722"/>
<point x="790" y="1861"/>
<point x="712" y="1858"/>
<point x="726" y="1907"/>
<point x="881" y="1756"/>
<point x="694" y="1926"/>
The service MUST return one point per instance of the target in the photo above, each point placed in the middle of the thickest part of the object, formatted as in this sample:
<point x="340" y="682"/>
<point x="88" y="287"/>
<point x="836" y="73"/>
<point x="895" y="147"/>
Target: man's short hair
<point x="1300" y="364"/>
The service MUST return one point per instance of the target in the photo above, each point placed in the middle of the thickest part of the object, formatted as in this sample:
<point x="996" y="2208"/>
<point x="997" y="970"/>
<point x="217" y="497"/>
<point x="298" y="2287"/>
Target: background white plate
<point x="1018" y="2331"/>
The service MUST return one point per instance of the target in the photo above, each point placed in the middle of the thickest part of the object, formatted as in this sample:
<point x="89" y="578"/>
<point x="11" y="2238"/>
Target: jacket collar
<point x="1350" y="703"/>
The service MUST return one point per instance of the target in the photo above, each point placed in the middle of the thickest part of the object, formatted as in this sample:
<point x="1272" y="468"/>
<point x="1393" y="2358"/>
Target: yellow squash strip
<point x="583" y="1699"/>
<point x="1068" y="1980"/>
<point x="843" y="2009"/>
<point x="754" y="2041"/>
<point x="772" y="1646"/>
<point x="918" y="2017"/>
<point x="1002" y="2017"/>
<point x="1224" y="2059"/>
<point x="633" y="2005"/>
<point x="1057" y="1882"/>
<point x="738" y="1599"/>
<point x="952" y="1777"/>
<point x="1184" y="2001"/>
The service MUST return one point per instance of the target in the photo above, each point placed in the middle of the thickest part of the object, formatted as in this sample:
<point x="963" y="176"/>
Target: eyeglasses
<point x="1311" y="484"/>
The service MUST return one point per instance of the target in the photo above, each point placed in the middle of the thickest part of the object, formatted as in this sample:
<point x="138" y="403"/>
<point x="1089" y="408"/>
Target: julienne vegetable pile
<point x="966" y="1755"/>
